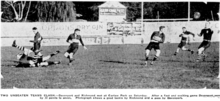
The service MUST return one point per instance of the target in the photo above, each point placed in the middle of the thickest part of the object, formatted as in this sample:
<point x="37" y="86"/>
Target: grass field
<point x="115" y="66"/>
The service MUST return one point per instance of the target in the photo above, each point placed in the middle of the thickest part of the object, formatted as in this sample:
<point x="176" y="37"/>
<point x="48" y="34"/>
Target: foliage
<point x="56" y="11"/>
<point x="15" y="11"/>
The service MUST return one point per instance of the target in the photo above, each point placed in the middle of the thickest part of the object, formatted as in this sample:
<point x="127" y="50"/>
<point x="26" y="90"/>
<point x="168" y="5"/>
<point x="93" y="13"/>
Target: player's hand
<point x="85" y="47"/>
<point x="31" y="40"/>
<point x="198" y="34"/>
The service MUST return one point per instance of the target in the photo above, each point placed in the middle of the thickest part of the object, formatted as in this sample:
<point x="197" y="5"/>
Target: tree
<point x="15" y="11"/>
<point x="133" y="10"/>
<point x="56" y="11"/>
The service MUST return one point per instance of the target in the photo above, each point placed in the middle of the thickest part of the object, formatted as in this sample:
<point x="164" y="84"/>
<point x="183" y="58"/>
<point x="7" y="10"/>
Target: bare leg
<point x="49" y="56"/>
<point x="146" y="56"/>
<point x="48" y="63"/>
<point x="156" y="56"/>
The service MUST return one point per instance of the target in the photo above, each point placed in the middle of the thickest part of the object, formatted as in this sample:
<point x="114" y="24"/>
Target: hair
<point x="184" y="28"/>
<point x="34" y="28"/>
<point x="77" y="29"/>
<point x="161" y="27"/>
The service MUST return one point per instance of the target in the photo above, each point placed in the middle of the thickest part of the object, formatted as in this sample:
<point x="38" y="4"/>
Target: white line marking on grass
<point x="2" y="76"/>
<point x="122" y="79"/>
<point x="14" y="87"/>
<point x="204" y="88"/>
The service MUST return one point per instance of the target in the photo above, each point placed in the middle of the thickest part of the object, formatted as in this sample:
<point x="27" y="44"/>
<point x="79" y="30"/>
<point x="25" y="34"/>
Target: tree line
<point x="63" y="11"/>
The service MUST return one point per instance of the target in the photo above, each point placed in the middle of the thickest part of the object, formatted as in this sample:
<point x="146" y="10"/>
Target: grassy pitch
<point x="115" y="66"/>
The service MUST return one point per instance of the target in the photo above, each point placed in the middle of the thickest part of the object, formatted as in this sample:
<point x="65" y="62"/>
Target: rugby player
<point x="156" y="38"/>
<point x="29" y="59"/>
<point x="182" y="45"/>
<point x="207" y="36"/>
<point x="37" y="42"/>
<point x="73" y="39"/>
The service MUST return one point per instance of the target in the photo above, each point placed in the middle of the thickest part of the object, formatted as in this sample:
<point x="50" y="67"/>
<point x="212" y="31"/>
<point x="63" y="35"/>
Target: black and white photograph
<point x="110" y="44"/>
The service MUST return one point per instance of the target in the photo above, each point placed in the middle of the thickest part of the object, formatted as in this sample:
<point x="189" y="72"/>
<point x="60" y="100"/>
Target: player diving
<point x="29" y="59"/>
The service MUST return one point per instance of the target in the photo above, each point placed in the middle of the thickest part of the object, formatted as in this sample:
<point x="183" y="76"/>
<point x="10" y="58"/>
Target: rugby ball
<point x="197" y="15"/>
<point x="157" y="38"/>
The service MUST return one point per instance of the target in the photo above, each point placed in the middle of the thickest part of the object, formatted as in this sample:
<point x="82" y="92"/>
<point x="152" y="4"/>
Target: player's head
<point x="77" y="31"/>
<point x="161" y="28"/>
<point x="34" y="29"/>
<point x="207" y="24"/>
<point x="184" y="29"/>
<point x="19" y="56"/>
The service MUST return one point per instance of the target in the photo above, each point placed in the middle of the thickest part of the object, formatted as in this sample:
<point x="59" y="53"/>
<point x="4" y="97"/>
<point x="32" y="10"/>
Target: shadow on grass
<point x="122" y="62"/>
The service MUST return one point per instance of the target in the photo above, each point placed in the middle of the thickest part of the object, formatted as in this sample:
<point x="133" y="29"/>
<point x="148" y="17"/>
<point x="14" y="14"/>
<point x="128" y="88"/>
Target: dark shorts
<point x="205" y="44"/>
<point x="73" y="48"/>
<point x="23" y="65"/>
<point x="182" y="43"/>
<point x="37" y="46"/>
<point x="155" y="46"/>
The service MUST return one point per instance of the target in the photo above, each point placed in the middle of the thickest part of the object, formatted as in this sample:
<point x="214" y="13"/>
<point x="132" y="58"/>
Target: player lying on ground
<point x="207" y="36"/>
<point x="36" y="42"/>
<point x="156" y="38"/>
<point x="74" y="40"/>
<point x="182" y="45"/>
<point x="29" y="59"/>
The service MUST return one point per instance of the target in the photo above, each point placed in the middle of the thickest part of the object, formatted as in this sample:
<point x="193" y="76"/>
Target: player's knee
<point x="147" y="51"/>
<point x="66" y="54"/>
<point x="157" y="53"/>
<point x="200" y="50"/>
<point x="183" y="48"/>
<point x="71" y="55"/>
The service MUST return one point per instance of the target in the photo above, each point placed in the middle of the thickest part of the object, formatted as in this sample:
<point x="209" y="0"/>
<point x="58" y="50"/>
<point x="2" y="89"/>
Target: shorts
<point x="37" y="46"/>
<point x="182" y="44"/>
<point x="73" y="48"/>
<point x="154" y="45"/>
<point x="205" y="44"/>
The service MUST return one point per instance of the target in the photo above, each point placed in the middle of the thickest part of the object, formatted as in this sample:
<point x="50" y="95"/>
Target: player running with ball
<point x="207" y="36"/>
<point x="74" y="40"/>
<point x="185" y="36"/>
<point x="156" y="38"/>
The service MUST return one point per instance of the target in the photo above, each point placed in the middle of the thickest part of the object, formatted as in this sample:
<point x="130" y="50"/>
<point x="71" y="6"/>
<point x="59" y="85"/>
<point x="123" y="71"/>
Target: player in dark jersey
<point x="207" y="36"/>
<point x="74" y="40"/>
<point x="37" y="41"/>
<point x="185" y="36"/>
<point x="29" y="59"/>
<point x="156" y="38"/>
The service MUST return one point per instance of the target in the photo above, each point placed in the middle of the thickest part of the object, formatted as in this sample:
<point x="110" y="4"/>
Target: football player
<point x="207" y="36"/>
<point x="74" y="40"/>
<point x="156" y="38"/>
<point x="29" y="59"/>
<point x="37" y="41"/>
<point x="182" y="45"/>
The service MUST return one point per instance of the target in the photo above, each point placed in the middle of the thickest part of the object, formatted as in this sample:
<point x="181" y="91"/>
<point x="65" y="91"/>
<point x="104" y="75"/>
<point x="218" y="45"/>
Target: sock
<point x="175" y="53"/>
<point x="155" y="58"/>
<point x="71" y="60"/>
<point x="189" y="50"/>
<point x="20" y="47"/>
<point x="54" y="53"/>
<point x="51" y="63"/>
<point x="146" y="58"/>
